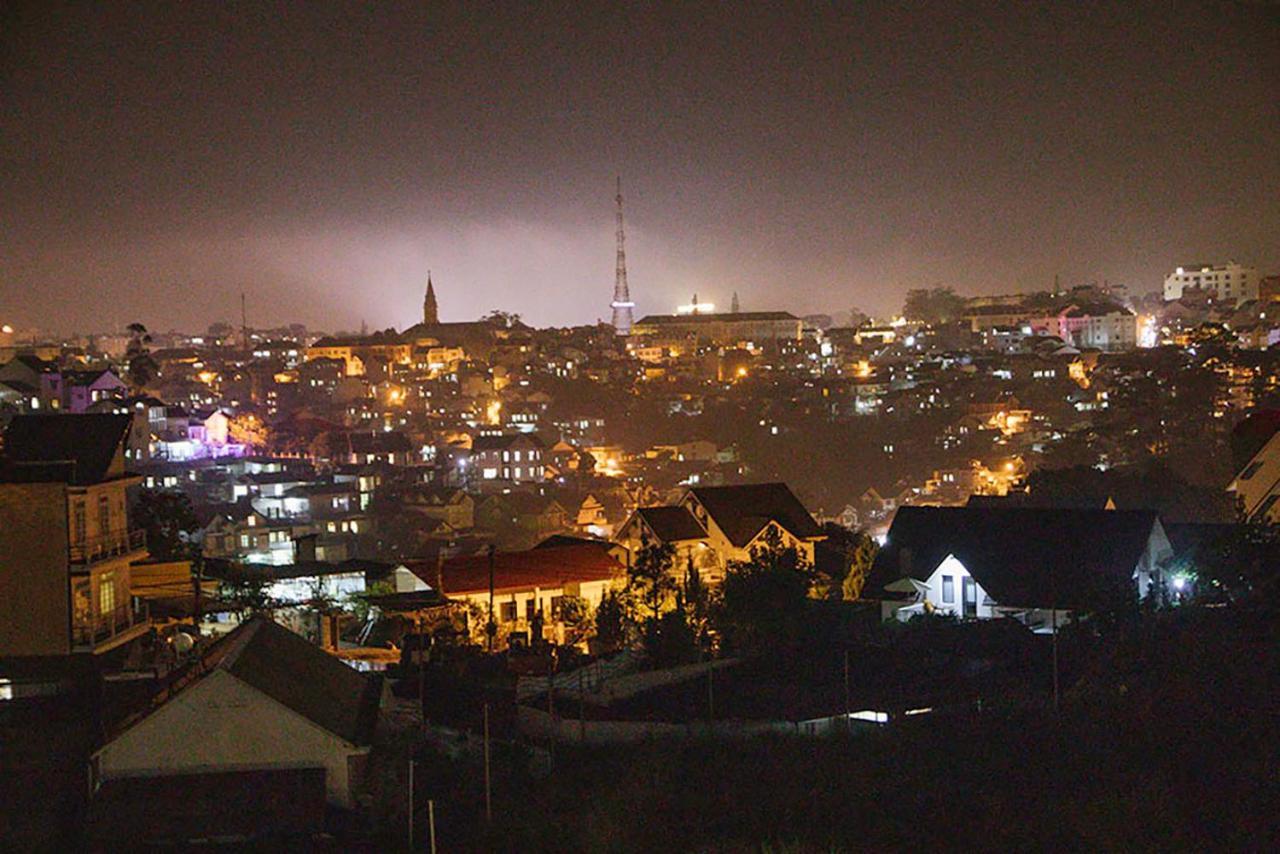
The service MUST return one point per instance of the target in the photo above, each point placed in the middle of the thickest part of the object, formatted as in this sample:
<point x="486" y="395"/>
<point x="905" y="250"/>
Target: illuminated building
<point x="1229" y="282"/>
<point x="68" y="546"/>
<point x="719" y="329"/>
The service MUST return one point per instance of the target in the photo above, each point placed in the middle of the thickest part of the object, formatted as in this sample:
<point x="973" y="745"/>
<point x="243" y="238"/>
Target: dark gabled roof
<point x="35" y="363"/>
<point x="20" y="387"/>
<point x="376" y="339"/>
<point x="525" y="503"/>
<point x="436" y="496"/>
<point x="379" y="443"/>
<point x="556" y="541"/>
<point x="1022" y="557"/>
<point x="303" y="678"/>
<point x="88" y="376"/>
<point x="743" y="511"/>
<point x="498" y="442"/>
<point x="76" y="449"/>
<point x="671" y="524"/>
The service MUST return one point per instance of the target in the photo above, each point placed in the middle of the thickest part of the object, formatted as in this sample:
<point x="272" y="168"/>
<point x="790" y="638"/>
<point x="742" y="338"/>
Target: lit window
<point x="107" y="593"/>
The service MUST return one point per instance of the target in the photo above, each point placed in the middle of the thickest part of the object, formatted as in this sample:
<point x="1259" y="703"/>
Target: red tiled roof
<point x="547" y="567"/>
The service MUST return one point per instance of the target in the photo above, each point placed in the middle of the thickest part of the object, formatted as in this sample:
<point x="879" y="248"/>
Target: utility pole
<point x="551" y="710"/>
<point x="198" y="561"/>
<point x="492" y="628"/>
<point x="488" y="779"/>
<point x="847" y="723"/>
<point x="422" y="676"/>
<point x="711" y="691"/>
<point x="1053" y="593"/>
<point x="1055" y="661"/>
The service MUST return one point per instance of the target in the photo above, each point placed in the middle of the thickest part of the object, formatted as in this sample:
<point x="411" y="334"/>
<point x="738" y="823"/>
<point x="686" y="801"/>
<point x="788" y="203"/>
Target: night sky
<point x="322" y="156"/>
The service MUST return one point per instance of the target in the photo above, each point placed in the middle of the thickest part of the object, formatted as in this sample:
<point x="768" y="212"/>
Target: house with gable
<point x="1040" y="566"/>
<point x="1257" y="485"/>
<point x="261" y="698"/>
<point x="712" y="526"/>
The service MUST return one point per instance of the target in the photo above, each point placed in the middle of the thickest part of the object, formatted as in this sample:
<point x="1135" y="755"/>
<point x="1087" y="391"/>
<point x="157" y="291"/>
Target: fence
<point x="110" y="545"/>
<point x="538" y="724"/>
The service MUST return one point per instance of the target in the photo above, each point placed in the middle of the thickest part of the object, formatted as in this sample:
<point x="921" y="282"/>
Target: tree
<point x="670" y="639"/>
<point x="140" y="366"/>
<point x="575" y="613"/>
<point x="169" y="520"/>
<point x="764" y="601"/>
<point x="502" y="318"/>
<point x="249" y="430"/>
<point x="247" y="594"/>
<point x="649" y="576"/>
<point x="611" y="620"/>
<point x="933" y="305"/>
<point x="358" y="603"/>
<point x="1243" y="561"/>
<point x="695" y="599"/>
<point x="861" y="558"/>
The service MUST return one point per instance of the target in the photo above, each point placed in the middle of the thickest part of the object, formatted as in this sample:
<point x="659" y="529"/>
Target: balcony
<point x="101" y="632"/>
<point x="115" y="544"/>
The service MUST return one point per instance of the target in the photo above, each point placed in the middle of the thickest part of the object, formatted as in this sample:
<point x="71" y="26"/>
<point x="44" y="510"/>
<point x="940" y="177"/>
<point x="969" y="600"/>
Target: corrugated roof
<point x="540" y="567"/>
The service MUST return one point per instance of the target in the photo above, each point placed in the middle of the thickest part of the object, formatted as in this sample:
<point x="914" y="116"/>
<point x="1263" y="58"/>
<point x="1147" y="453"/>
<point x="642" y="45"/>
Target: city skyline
<point x="163" y="164"/>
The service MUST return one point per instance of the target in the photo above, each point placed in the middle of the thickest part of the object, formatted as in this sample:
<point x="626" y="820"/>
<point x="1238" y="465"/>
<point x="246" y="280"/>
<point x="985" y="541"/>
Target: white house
<point x="1039" y="566"/>
<point x="262" y="698"/>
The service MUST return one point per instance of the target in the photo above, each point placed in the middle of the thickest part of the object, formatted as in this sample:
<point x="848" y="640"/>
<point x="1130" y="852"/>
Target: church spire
<point x="430" y="310"/>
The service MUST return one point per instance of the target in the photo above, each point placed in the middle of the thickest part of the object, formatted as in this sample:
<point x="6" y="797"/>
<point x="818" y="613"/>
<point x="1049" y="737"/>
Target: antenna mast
<point x="622" y="303"/>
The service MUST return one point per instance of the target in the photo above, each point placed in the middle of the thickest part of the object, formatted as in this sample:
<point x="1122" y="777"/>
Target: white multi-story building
<point x="1230" y="281"/>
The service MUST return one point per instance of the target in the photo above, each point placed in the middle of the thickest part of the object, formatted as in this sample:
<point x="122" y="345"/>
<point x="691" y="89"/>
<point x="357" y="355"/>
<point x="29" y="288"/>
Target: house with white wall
<point x="525" y="584"/>
<point x="1040" y="566"/>
<point x="262" y="698"/>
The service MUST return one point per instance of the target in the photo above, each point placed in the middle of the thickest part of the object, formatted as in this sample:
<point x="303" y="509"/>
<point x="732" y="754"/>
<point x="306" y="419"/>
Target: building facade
<point x="1229" y="282"/>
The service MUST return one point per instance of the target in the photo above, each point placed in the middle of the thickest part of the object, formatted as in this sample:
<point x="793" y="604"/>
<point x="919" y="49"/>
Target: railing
<point x="112" y="545"/>
<point x="103" y="627"/>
